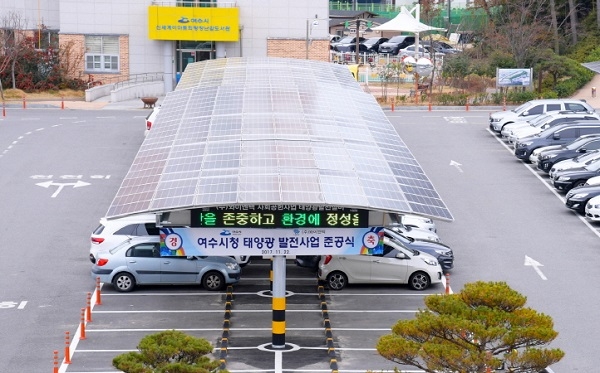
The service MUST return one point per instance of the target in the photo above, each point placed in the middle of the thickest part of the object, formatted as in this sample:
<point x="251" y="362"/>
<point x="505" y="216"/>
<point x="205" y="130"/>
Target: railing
<point x="195" y="4"/>
<point x="139" y="78"/>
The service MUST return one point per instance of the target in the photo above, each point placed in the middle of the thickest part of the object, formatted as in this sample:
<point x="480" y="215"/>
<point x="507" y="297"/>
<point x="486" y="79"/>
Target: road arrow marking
<point x="457" y="165"/>
<point x="48" y="184"/>
<point x="535" y="264"/>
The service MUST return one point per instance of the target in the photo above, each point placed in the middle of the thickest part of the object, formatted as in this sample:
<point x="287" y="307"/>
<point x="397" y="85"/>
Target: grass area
<point x="66" y="94"/>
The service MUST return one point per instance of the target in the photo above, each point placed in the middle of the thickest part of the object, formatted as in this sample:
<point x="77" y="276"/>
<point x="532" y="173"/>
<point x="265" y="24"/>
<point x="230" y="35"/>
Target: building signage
<point x="193" y="23"/>
<point x="278" y="241"/>
<point x="276" y="216"/>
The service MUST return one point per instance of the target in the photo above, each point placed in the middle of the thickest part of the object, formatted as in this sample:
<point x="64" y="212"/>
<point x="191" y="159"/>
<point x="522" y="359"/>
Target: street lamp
<point x="309" y="27"/>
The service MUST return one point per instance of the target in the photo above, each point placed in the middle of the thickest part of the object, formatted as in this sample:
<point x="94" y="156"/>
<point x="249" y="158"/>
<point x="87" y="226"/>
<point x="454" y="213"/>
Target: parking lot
<point x="503" y="214"/>
<point x="319" y="336"/>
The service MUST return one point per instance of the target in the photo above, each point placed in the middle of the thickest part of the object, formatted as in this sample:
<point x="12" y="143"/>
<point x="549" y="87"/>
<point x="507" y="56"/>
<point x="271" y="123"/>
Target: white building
<point x="142" y="40"/>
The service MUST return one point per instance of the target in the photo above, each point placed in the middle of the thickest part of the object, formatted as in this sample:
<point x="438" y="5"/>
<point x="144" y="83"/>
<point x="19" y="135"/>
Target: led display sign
<point x="279" y="217"/>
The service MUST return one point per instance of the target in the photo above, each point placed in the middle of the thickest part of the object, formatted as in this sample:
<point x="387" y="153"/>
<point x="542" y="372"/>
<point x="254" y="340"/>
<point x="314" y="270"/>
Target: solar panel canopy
<point x="268" y="131"/>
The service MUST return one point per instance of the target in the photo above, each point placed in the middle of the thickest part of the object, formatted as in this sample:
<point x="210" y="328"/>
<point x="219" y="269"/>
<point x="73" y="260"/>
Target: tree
<point x="11" y="31"/>
<point x="170" y="351"/>
<point x="484" y="326"/>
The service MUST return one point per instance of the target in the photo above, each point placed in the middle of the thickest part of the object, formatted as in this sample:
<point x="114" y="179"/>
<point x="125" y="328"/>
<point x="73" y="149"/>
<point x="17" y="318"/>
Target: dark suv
<point x="557" y="135"/>
<point x="396" y="43"/>
<point x="548" y="158"/>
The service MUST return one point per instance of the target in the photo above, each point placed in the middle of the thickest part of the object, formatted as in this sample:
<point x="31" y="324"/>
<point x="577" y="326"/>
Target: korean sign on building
<point x="277" y="241"/>
<point x="193" y="23"/>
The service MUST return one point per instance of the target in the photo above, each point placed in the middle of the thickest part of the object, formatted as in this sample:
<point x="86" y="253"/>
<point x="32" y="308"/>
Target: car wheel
<point x="579" y="183"/>
<point x="123" y="282"/>
<point x="213" y="281"/>
<point x="337" y="280"/>
<point x="419" y="281"/>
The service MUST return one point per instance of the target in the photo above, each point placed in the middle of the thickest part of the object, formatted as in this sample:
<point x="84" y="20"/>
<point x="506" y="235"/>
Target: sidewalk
<point x="585" y="93"/>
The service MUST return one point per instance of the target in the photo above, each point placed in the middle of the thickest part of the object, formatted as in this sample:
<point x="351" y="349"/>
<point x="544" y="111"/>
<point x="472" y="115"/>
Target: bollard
<point x="467" y="104"/>
<point x="98" y="296"/>
<point x="594" y="92"/>
<point x="67" y="349"/>
<point x="89" y="307"/>
<point x="429" y="106"/>
<point x="24" y="104"/>
<point x="55" y="361"/>
<point x="392" y="105"/>
<point x="504" y="103"/>
<point x="3" y="109"/>
<point x="447" y="283"/>
<point x="62" y="102"/>
<point x="82" y="324"/>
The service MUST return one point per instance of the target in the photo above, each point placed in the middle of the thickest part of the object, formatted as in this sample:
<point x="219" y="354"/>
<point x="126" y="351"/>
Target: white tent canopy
<point x="404" y="21"/>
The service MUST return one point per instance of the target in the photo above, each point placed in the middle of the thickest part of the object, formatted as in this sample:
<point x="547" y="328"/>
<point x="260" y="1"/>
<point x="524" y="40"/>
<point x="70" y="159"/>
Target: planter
<point x="149" y="102"/>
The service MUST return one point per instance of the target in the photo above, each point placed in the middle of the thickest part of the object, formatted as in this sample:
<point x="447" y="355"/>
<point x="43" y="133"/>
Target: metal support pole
<point x="357" y="46"/>
<point x="278" y="323"/>
<point x="307" y="36"/>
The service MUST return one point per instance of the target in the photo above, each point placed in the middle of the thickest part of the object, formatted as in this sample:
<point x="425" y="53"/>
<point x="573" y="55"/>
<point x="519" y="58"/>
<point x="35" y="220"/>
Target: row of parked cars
<point x="562" y="139"/>
<point x="400" y="45"/>
<point x="126" y="252"/>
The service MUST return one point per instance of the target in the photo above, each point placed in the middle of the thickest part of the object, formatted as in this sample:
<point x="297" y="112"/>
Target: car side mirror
<point x="582" y="150"/>
<point x="401" y="255"/>
<point x="556" y="136"/>
<point x="525" y="113"/>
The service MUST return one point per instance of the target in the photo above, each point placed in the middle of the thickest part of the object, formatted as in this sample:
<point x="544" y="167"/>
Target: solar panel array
<point x="594" y="66"/>
<point x="257" y="131"/>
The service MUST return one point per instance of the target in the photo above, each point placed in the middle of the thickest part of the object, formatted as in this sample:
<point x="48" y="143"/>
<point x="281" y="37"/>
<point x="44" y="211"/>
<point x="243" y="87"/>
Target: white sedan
<point x="395" y="264"/>
<point x="592" y="209"/>
<point x="579" y="161"/>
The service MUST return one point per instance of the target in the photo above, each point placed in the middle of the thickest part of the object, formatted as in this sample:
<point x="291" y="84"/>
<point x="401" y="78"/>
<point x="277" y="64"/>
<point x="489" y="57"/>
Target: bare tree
<point x="12" y="32"/>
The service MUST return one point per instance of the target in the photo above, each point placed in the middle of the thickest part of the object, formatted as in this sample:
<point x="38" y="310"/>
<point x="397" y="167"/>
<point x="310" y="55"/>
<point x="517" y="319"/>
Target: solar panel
<point x="594" y="66"/>
<point x="277" y="131"/>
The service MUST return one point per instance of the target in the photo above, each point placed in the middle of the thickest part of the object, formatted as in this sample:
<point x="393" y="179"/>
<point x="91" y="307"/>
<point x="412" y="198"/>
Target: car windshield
<point x="521" y="108"/>
<point x="592" y="154"/>
<point x="593" y="159"/>
<point x="370" y="41"/>
<point x="347" y="39"/>
<point x="539" y="120"/>
<point x="397" y="39"/>
<point x="593" y="166"/>
<point x="577" y="143"/>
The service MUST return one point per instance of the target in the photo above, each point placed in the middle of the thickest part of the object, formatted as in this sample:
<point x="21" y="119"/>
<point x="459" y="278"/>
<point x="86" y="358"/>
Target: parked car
<point x="441" y="47"/>
<point x="111" y="232"/>
<point x="578" y="198"/>
<point x="532" y="108"/>
<point x="533" y="158"/>
<point x="582" y="145"/>
<point x="137" y="261"/>
<point x="396" y="43"/>
<point x="394" y="265"/>
<point x="411" y="236"/>
<point x="592" y="209"/>
<point x="346" y="40"/>
<point x="557" y="135"/>
<point x="347" y="47"/>
<point x="514" y="131"/>
<point x="578" y="161"/>
<point x="411" y="51"/>
<point x="414" y="232"/>
<point x="372" y="44"/>
<point x="443" y="253"/>
<point x="575" y="177"/>
<point x="411" y="220"/>
<point x="150" y="118"/>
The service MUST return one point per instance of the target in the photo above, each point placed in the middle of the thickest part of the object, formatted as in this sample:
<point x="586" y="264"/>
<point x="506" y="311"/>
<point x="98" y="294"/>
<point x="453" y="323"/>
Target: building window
<point x="102" y="53"/>
<point x="45" y="39"/>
